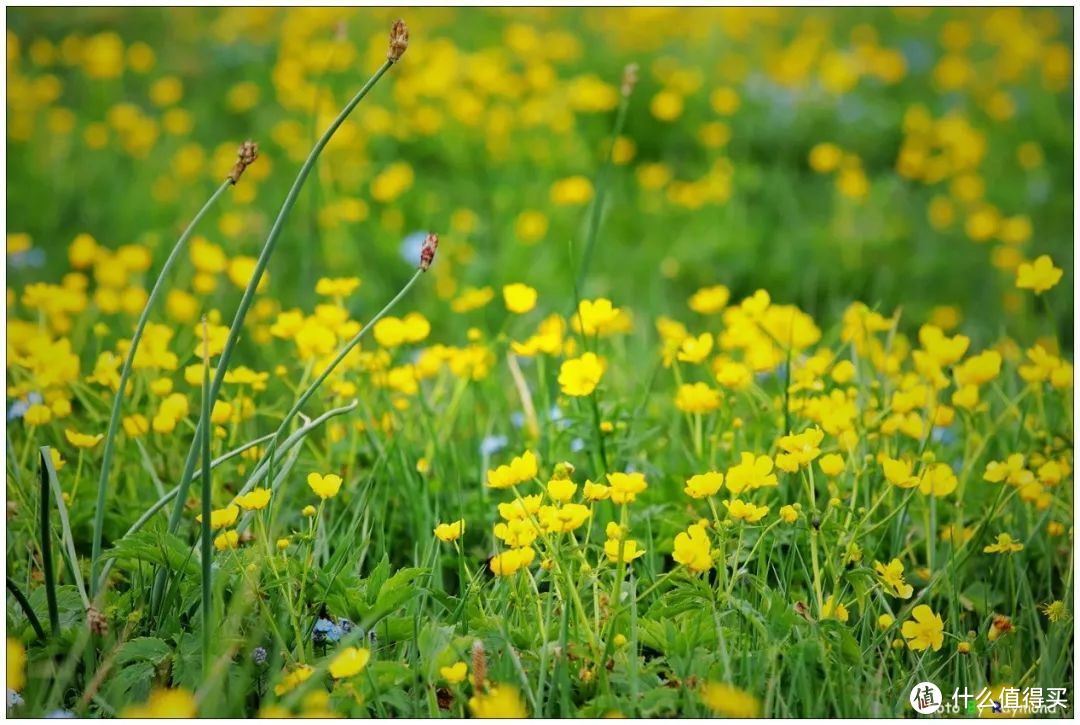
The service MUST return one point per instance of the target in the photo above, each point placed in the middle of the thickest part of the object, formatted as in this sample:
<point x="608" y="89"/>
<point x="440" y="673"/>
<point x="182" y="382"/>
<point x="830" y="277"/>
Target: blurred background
<point x="908" y="157"/>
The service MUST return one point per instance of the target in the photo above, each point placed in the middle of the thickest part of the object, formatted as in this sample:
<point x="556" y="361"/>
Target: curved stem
<point x="256" y="475"/>
<point x="125" y="373"/>
<point x="248" y="298"/>
<point x="345" y="350"/>
<point x="27" y="609"/>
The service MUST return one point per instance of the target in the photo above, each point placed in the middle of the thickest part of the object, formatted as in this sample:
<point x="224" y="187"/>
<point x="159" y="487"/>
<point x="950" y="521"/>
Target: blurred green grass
<point x="783" y="227"/>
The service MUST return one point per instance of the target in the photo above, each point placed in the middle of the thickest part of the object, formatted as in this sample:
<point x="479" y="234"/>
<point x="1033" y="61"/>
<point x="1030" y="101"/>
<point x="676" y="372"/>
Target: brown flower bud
<point x="97" y="622"/>
<point x="399" y="41"/>
<point x="427" y="252"/>
<point x="629" y="78"/>
<point x="245" y="157"/>
<point x="479" y="665"/>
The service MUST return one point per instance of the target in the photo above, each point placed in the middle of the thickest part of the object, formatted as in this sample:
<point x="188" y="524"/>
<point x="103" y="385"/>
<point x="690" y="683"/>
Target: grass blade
<point x="207" y="479"/>
<point x="27" y="609"/>
<point x="46" y="542"/>
<point x="249" y="296"/>
<point x="125" y="373"/>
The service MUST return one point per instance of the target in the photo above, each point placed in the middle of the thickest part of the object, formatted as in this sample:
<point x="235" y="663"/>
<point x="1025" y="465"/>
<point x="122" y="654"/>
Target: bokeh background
<point x="907" y="157"/>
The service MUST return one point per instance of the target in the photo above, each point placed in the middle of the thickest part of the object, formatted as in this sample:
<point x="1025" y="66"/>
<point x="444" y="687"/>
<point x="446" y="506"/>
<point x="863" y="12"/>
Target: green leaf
<point x="155" y="547"/>
<point x="132" y="683"/>
<point x="149" y="649"/>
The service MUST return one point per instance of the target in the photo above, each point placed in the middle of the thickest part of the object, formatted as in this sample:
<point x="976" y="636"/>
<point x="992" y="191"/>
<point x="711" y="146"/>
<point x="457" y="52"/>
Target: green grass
<point x="121" y="603"/>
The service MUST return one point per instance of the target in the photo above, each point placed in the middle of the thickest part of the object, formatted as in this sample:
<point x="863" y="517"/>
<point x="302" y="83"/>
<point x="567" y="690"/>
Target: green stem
<point x="27" y="609"/>
<point x="601" y="193"/>
<point x="125" y="372"/>
<point x="342" y="353"/>
<point x="207" y="506"/>
<point x="248" y="298"/>
<point x="46" y="542"/>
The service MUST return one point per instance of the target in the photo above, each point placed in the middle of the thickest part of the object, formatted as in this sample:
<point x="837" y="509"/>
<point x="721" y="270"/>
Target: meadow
<point x="538" y="362"/>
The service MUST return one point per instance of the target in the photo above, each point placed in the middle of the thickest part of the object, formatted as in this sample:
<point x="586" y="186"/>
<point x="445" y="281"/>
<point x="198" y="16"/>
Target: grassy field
<point x="538" y="362"/>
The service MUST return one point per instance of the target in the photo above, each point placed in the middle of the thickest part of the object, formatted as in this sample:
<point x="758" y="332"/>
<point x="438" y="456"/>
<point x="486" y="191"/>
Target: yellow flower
<point x="697" y="398"/>
<point x="789" y="514"/>
<point x="831" y="464"/>
<point x="336" y="287"/>
<point x="561" y="490"/>
<point x="519" y="298"/>
<point x="564" y="519"/>
<point x="455" y="673"/>
<point x="472" y="299"/>
<point x="729" y="701"/>
<point x="626" y="486"/>
<point x="520" y="508"/>
<point x="254" y="500"/>
<point x="693" y="550"/>
<point x="925" y="629"/>
<point x="937" y="480"/>
<point x="744" y="511"/>
<point x="1038" y="276"/>
<point x="832" y="609"/>
<point x="499" y="701"/>
<point x="82" y="440"/>
<point x="1005" y="544"/>
<point x="595" y="491"/>
<point x="710" y="300"/>
<point x="751" y="472"/>
<point x="324" y="486"/>
<point x="516" y="533"/>
<point x="885" y="621"/>
<point x="292" y="679"/>
<point x="510" y="562"/>
<point x="695" y="349"/>
<point x="703" y="485"/>
<point x="629" y="550"/>
<point x="520" y="469"/>
<point x="898" y="473"/>
<point x="450" y="532"/>
<point x="530" y="226"/>
<point x="16" y="665"/>
<point x="595" y="316"/>
<point x="892" y="576"/>
<point x="227" y="540"/>
<point x="37" y="414"/>
<point x="308" y="511"/>
<point x="803" y="447"/>
<point x="220" y="518"/>
<point x="349" y="661"/>
<point x="164" y="703"/>
<point x="571" y="191"/>
<point x="580" y="376"/>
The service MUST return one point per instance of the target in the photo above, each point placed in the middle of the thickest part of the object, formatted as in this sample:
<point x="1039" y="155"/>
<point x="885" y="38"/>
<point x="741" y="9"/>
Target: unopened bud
<point x="245" y="157"/>
<point x="427" y="252"/>
<point x="629" y="78"/>
<point x="399" y="41"/>
<point x="479" y="664"/>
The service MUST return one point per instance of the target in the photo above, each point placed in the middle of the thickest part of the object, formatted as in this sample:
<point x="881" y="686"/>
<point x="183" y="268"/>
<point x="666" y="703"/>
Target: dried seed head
<point x="629" y="78"/>
<point x="399" y="41"/>
<point x="479" y="664"/>
<point x="97" y="622"/>
<point x="245" y="157"/>
<point x="427" y="252"/>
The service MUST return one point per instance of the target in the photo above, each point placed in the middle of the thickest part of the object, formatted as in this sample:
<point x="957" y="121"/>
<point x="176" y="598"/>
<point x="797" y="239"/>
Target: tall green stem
<point x="207" y="507"/>
<point x="249" y="297"/>
<point x="125" y="373"/>
<point x="601" y="192"/>
<point x="342" y="353"/>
